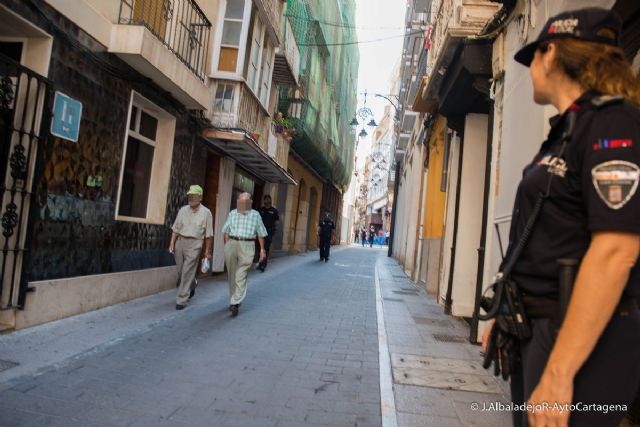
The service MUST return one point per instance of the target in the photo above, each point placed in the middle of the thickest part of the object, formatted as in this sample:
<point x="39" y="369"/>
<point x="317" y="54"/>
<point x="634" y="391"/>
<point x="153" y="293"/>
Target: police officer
<point x="325" y="234"/>
<point x="270" y="218"/>
<point x="591" y="214"/>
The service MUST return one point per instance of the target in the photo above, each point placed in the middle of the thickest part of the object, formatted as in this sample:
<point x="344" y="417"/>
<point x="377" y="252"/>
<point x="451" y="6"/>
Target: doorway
<point x="312" y="220"/>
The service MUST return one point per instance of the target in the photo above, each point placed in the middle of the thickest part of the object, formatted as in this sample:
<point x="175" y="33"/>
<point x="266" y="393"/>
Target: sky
<point x="377" y="19"/>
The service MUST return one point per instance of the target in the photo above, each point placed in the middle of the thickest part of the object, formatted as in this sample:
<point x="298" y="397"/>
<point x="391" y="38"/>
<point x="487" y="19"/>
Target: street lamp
<point x="363" y="114"/>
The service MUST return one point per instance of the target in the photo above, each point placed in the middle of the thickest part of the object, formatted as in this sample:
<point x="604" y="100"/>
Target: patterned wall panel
<point x="75" y="232"/>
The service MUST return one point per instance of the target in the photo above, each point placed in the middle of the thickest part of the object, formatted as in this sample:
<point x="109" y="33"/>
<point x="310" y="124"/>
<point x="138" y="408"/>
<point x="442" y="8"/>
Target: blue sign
<point x="66" y="117"/>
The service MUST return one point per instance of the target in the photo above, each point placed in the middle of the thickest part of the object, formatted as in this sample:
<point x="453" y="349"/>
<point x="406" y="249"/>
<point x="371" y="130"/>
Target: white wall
<point x="469" y="214"/>
<point x="447" y="242"/>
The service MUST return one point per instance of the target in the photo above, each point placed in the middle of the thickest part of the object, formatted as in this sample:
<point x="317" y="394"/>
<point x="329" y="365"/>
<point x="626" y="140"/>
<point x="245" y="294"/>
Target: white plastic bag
<point x="205" y="265"/>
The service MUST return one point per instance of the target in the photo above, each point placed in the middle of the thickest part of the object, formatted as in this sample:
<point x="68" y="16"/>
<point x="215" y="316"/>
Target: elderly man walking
<point x="193" y="225"/>
<point x="240" y="231"/>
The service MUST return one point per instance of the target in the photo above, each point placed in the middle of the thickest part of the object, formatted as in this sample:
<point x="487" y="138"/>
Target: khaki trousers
<point x="187" y="259"/>
<point x="238" y="256"/>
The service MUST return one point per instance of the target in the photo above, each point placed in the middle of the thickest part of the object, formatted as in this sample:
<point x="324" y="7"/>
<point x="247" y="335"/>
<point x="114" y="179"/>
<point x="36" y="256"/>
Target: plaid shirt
<point x="245" y="226"/>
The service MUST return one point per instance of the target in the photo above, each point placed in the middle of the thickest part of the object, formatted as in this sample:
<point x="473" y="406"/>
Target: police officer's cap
<point x="589" y="24"/>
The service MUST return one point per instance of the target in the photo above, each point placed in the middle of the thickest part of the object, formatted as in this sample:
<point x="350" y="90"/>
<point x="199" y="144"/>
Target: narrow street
<point x="304" y="351"/>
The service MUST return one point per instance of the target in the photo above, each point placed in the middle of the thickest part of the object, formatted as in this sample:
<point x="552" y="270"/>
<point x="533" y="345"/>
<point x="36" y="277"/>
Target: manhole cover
<point x="393" y="299"/>
<point x="449" y="338"/>
<point x="7" y="364"/>
<point x="405" y="293"/>
<point x="444" y="373"/>
<point x="433" y="322"/>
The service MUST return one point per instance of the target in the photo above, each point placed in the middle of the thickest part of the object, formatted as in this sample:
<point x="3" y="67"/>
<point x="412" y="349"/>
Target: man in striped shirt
<point x="240" y="231"/>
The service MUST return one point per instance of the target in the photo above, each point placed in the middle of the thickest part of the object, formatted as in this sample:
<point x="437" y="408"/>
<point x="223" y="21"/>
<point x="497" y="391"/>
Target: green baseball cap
<point x="195" y="189"/>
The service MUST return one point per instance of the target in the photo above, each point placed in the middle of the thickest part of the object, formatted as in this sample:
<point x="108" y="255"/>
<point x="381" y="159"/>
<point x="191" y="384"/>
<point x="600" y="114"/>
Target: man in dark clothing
<point x="325" y="233"/>
<point x="270" y="219"/>
<point x="372" y="234"/>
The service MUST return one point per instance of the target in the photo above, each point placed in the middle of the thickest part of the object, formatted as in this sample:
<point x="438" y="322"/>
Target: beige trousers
<point x="187" y="260"/>
<point x="238" y="256"/>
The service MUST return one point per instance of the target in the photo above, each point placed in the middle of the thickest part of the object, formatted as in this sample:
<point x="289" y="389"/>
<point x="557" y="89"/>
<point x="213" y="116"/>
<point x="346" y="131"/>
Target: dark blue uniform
<point x="326" y="230"/>
<point x="594" y="189"/>
<point x="269" y="217"/>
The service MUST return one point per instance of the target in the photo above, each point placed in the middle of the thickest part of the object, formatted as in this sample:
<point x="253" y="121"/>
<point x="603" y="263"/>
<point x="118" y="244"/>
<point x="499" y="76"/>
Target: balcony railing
<point x="179" y="24"/>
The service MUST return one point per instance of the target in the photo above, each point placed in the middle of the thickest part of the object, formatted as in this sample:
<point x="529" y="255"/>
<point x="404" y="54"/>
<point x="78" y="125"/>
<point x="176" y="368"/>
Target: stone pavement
<point x="437" y="373"/>
<point x="304" y="351"/>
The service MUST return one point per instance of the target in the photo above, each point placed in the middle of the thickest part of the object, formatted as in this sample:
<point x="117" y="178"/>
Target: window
<point x="147" y="157"/>
<point x="265" y="73"/>
<point x="256" y="49"/>
<point x="231" y="32"/>
<point x="223" y="102"/>
<point x="138" y="161"/>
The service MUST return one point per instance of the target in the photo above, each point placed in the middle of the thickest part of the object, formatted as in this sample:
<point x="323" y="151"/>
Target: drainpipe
<point x="448" y="301"/>
<point x="394" y="209"/>
<point x="473" y="337"/>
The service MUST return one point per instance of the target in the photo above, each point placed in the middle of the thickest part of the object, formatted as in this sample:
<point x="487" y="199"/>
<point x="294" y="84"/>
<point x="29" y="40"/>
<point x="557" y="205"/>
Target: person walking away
<point x="363" y="236"/>
<point x="240" y="231"/>
<point x="372" y="235"/>
<point x="578" y="341"/>
<point x="270" y="219"/>
<point x="325" y="234"/>
<point x="192" y="227"/>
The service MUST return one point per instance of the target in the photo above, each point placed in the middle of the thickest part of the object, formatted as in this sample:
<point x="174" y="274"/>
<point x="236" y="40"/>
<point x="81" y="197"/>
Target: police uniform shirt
<point x="269" y="218"/>
<point x="326" y="226"/>
<point x="594" y="188"/>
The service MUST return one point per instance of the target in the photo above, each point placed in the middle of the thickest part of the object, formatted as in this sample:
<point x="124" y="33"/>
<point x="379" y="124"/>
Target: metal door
<point x="24" y="100"/>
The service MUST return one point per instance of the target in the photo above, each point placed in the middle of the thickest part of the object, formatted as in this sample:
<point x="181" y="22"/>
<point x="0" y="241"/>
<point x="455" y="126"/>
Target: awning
<point x="241" y="147"/>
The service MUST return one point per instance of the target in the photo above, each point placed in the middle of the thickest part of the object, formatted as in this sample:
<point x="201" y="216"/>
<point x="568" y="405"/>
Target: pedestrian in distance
<point x="240" y="231"/>
<point x="270" y="219"/>
<point x="372" y="235"/>
<point x="363" y="236"/>
<point x="325" y="234"/>
<point x="192" y="228"/>
<point x="567" y="322"/>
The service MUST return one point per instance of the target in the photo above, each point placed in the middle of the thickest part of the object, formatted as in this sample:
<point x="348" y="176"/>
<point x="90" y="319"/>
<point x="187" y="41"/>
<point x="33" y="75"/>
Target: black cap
<point x="583" y="24"/>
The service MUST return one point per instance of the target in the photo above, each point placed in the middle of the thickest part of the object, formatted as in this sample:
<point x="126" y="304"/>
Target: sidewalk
<point x="437" y="374"/>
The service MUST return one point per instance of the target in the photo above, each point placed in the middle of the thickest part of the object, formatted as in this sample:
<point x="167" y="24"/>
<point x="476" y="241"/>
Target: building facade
<point x="476" y="128"/>
<point x="319" y="111"/>
<point x="110" y="110"/>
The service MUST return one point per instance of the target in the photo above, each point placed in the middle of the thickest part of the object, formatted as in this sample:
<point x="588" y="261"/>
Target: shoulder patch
<point x="616" y="182"/>
<point x="604" y="100"/>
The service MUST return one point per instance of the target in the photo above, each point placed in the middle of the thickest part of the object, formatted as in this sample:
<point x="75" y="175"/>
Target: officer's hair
<point x="596" y="66"/>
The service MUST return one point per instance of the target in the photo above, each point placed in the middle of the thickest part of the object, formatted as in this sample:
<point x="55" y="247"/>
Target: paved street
<point x="304" y="351"/>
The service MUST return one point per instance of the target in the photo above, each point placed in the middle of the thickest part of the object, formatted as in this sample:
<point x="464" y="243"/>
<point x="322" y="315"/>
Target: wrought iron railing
<point x="24" y="112"/>
<point x="179" y="24"/>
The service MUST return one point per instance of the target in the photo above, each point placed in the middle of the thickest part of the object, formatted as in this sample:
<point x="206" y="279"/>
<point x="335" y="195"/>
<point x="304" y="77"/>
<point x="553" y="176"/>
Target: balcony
<point x="240" y="130"/>
<point x="459" y="65"/>
<point x="168" y="41"/>
<point x="278" y="148"/>
<point x="236" y="107"/>
<point x="287" y="63"/>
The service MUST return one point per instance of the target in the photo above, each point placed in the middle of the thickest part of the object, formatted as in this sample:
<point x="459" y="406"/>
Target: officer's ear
<point x="549" y="53"/>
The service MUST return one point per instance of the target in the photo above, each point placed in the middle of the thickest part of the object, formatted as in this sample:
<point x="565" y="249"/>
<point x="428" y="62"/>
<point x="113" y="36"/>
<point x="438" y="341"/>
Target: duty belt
<point x="242" y="239"/>
<point x="547" y="307"/>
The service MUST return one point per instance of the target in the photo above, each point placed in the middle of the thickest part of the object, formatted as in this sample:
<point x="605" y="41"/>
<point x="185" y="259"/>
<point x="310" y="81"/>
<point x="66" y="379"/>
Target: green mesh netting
<point x="324" y="106"/>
